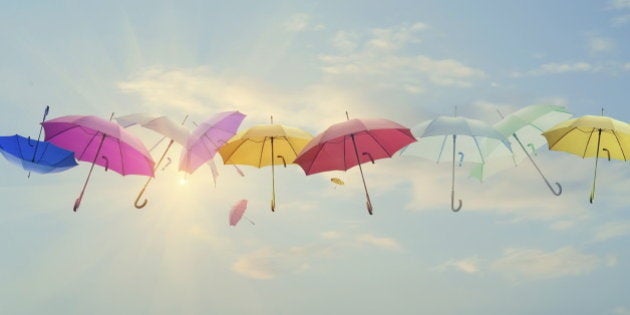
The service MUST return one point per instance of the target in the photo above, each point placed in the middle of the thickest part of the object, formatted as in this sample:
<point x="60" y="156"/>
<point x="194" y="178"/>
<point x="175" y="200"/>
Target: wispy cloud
<point x="598" y="44"/>
<point x="380" y="54"/>
<point x="532" y="264"/>
<point x="558" y="68"/>
<point x="467" y="265"/>
<point x="300" y="22"/>
<point x="612" y="230"/>
<point x="386" y="243"/>
<point x="268" y="262"/>
<point x="620" y="20"/>
<point x="619" y="4"/>
<point x="528" y="264"/>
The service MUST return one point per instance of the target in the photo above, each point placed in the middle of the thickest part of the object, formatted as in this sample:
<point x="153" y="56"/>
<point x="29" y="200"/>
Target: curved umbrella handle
<point x="455" y="209"/>
<point x="607" y="152"/>
<point x="371" y="159"/>
<point x="284" y="162"/>
<point x="531" y="145"/>
<point x="137" y="204"/>
<point x="30" y="141"/>
<point x="168" y="162"/>
<point x="557" y="193"/>
<point x="461" y="158"/>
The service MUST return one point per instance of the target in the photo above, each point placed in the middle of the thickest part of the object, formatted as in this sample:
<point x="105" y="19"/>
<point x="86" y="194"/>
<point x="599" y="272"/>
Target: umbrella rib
<point x="261" y="151"/>
<point x="377" y="142"/>
<point x="620" y="146"/>
<point x="562" y="137"/>
<point x="62" y="131"/>
<point x="87" y="145"/>
<point x="122" y="164"/>
<point x="588" y="141"/>
<point x="234" y="151"/>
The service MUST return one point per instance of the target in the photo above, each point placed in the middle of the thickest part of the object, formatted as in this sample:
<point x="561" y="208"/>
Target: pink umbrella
<point x="338" y="147"/>
<point x="101" y="142"/>
<point x="205" y="141"/>
<point x="237" y="212"/>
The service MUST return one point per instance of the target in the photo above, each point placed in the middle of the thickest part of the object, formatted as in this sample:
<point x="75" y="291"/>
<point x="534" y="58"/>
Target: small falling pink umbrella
<point x="101" y="142"/>
<point x="237" y="212"/>
<point x="353" y="142"/>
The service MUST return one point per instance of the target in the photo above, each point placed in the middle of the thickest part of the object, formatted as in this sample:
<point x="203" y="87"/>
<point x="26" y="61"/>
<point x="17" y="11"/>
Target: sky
<point x="513" y="248"/>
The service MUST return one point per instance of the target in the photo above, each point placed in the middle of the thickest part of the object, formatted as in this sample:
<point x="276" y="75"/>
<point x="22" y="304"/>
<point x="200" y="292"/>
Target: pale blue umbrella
<point x="435" y="135"/>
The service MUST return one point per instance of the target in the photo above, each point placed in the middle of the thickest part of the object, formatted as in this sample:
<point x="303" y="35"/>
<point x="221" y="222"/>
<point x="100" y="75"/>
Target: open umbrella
<point x="207" y="138"/>
<point x="162" y="125"/>
<point x="522" y="128"/>
<point x="588" y="135"/>
<point x="264" y="145"/>
<point x="34" y="155"/>
<point x="338" y="147"/>
<point x="238" y="211"/>
<point x="101" y="142"/>
<point x="434" y="135"/>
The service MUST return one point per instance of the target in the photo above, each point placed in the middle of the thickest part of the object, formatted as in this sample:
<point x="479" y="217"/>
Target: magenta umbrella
<point x="353" y="142"/>
<point x="102" y="142"/>
<point x="207" y="138"/>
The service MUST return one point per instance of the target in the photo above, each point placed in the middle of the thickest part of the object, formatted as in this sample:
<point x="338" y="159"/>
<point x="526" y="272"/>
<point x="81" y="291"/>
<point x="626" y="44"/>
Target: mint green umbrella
<point x="523" y="129"/>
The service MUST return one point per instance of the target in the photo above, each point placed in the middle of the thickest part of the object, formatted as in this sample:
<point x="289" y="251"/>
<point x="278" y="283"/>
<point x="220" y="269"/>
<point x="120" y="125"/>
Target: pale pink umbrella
<point x="101" y="142"/>
<point x="207" y="138"/>
<point x="353" y="142"/>
<point x="237" y="212"/>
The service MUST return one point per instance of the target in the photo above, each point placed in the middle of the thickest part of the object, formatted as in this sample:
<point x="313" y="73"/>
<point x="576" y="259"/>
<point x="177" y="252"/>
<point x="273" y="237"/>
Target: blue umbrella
<point x="36" y="156"/>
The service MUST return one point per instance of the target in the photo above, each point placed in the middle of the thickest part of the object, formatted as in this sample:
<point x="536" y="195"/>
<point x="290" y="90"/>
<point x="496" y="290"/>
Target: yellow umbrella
<point x="264" y="145"/>
<point x="586" y="136"/>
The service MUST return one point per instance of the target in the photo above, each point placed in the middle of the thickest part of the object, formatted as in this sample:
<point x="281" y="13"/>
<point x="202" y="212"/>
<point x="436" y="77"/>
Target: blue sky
<point x="514" y="248"/>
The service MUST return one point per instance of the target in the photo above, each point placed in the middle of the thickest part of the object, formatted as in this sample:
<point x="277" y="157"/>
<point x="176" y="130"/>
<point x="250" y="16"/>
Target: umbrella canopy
<point x="351" y="143"/>
<point x="265" y="145"/>
<point x="437" y="134"/>
<point x="101" y="142"/>
<point x="590" y="136"/>
<point x="207" y="138"/>
<point x="523" y="129"/>
<point x="162" y="125"/>
<point x="36" y="156"/>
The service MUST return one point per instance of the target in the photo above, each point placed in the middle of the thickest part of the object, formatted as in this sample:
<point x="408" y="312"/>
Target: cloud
<point x="620" y="20"/>
<point x="620" y="310"/>
<point x="619" y="4"/>
<point x="200" y="90"/>
<point x="345" y="41"/>
<point x="597" y="44"/>
<point x="386" y="243"/>
<point x="379" y="55"/>
<point x="612" y="230"/>
<point x="560" y="68"/>
<point x="268" y="263"/>
<point x="533" y="264"/>
<point x="468" y="265"/>
<point x="298" y="22"/>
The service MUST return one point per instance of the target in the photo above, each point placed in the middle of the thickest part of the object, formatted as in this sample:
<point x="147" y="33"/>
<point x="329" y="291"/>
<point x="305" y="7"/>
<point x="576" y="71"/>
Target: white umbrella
<point x="437" y="134"/>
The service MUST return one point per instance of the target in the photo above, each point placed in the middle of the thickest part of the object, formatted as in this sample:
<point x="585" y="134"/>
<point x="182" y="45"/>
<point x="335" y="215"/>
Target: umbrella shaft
<point x="356" y="152"/>
<point x="87" y="179"/>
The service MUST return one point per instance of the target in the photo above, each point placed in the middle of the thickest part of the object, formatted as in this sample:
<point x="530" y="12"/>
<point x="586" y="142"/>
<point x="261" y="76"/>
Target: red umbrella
<point x="353" y="142"/>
